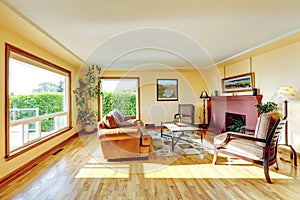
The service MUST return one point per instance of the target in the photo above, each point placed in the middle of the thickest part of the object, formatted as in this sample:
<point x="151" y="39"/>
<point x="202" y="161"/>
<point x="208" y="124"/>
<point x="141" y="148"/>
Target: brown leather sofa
<point x="126" y="140"/>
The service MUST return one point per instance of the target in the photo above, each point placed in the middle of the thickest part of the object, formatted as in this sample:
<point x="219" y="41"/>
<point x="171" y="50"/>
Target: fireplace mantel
<point x="243" y="105"/>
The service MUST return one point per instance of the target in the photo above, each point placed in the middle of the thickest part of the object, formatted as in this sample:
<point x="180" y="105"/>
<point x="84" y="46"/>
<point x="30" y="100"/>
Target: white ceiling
<point x="168" y="33"/>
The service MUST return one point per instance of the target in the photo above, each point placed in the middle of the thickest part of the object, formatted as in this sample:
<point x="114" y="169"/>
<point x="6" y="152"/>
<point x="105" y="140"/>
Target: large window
<point x="37" y="100"/>
<point x="120" y="93"/>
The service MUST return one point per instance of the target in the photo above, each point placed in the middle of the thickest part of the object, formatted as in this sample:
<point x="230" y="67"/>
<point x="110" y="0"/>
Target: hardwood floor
<point x="74" y="173"/>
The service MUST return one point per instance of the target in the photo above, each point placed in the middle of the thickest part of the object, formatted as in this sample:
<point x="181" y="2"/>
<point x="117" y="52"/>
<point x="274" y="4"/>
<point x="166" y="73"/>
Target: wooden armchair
<point x="260" y="148"/>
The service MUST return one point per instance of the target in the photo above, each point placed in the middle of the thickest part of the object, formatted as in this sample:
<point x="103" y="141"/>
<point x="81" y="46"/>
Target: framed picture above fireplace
<point x="239" y="83"/>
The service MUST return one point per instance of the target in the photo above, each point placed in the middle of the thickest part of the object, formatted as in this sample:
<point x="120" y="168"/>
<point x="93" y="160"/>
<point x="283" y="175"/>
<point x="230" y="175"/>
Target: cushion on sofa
<point x="120" y="130"/>
<point x="102" y="124"/>
<point x="117" y="114"/>
<point x="108" y="121"/>
<point x="119" y="134"/>
<point x="130" y="122"/>
<point x="111" y="122"/>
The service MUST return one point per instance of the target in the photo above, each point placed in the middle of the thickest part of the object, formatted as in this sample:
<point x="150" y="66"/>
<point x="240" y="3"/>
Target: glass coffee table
<point x="177" y="130"/>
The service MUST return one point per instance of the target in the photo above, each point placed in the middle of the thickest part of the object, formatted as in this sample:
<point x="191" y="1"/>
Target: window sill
<point x="37" y="143"/>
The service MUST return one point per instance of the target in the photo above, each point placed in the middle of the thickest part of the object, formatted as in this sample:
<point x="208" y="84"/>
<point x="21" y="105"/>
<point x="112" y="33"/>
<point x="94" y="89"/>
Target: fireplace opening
<point x="234" y="121"/>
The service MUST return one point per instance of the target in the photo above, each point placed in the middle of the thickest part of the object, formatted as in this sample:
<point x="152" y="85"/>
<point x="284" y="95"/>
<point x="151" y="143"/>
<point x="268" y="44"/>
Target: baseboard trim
<point x="29" y="165"/>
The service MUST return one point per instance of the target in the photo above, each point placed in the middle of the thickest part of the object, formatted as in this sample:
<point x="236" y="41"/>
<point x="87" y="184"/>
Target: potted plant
<point x="236" y="125"/>
<point x="85" y="93"/>
<point x="266" y="107"/>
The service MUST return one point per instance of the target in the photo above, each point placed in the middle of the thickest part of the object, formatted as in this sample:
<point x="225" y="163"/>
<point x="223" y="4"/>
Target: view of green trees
<point x="49" y="87"/>
<point x="48" y="98"/>
<point x="47" y="102"/>
<point x="124" y="101"/>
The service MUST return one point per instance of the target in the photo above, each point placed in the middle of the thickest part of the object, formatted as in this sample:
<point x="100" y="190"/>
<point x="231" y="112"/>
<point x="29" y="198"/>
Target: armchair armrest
<point x="233" y="136"/>
<point x="244" y="136"/>
<point x="249" y="130"/>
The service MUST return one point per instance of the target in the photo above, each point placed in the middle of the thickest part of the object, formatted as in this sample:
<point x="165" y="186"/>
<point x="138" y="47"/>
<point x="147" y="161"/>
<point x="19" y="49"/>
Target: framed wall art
<point x="239" y="83"/>
<point x="167" y="89"/>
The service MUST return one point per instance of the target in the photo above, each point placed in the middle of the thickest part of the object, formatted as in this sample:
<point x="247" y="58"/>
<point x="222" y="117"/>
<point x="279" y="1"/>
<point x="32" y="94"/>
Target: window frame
<point x="12" y="49"/>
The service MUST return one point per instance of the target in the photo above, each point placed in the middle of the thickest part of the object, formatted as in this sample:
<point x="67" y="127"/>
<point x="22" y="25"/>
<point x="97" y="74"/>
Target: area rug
<point x="162" y="146"/>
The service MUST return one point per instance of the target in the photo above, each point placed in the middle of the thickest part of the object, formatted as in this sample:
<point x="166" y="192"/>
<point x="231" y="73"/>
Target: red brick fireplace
<point x="239" y="105"/>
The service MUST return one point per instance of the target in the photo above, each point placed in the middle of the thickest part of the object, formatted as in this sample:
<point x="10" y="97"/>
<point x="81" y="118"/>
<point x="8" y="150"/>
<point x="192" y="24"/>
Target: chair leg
<point x="215" y="156"/>
<point x="276" y="166"/>
<point x="266" y="170"/>
<point x="293" y="155"/>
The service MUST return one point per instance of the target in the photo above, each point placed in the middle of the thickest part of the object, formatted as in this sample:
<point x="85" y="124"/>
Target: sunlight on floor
<point x="103" y="172"/>
<point x="240" y="170"/>
<point x="94" y="169"/>
<point x="209" y="171"/>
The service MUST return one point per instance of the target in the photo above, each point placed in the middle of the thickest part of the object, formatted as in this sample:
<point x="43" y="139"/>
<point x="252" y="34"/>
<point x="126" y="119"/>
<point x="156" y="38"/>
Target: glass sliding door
<point x="120" y="93"/>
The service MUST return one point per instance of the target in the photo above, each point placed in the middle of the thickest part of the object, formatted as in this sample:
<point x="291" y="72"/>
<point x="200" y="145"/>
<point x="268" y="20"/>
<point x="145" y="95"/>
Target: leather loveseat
<point x="123" y="138"/>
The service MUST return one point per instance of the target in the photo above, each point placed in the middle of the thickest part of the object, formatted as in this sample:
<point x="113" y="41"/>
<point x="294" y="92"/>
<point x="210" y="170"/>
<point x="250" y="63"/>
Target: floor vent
<point x="56" y="152"/>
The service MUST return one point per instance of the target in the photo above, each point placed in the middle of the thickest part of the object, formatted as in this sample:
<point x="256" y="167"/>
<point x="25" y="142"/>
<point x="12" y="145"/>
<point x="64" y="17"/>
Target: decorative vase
<point x="89" y="128"/>
<point x="254" y="90"/>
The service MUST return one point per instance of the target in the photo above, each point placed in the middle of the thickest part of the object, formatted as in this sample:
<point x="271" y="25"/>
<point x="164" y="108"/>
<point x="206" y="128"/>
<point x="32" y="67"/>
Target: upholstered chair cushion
<point x="241" y="146"/>
<point x="264" y="124"/>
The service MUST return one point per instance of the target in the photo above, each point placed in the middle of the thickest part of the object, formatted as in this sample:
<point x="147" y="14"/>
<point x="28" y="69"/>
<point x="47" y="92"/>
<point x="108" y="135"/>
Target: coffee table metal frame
<point x="180" y="128"/>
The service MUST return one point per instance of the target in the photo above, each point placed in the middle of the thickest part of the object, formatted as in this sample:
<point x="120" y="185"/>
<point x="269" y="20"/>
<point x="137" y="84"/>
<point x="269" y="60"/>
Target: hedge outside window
<point x="37" y="100"/>
<point x="120" y="93"/>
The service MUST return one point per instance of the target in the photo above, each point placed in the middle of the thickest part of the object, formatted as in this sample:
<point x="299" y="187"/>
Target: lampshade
<point x="204" y="95"/>
<point x="285" y="93"/>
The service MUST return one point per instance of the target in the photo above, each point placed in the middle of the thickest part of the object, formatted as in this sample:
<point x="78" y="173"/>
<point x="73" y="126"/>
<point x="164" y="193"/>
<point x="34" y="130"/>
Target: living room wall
<point x="190" y="85"/>
<point x="273" y="69"/>
<point x="18" y="32"/>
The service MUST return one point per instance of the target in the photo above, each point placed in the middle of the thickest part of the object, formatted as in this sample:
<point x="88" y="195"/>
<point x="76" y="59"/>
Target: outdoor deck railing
<point x="28" y="130"/>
